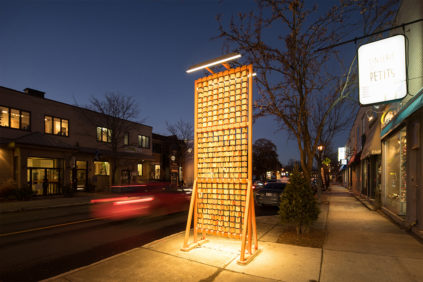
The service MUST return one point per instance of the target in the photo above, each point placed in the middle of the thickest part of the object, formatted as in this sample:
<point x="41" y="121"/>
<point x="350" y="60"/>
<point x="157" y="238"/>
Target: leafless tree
<point x="116" y="110"/>
<point x="298" y="79"/>
<point x="184" y="132"/>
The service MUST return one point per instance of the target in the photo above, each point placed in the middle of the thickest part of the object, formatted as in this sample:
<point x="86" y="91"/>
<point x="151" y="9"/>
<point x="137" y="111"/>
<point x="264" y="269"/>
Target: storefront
<point x="395" y="173"/>
<point x="371" y="163"/>
<point x="45" y="176"/>
<point x="402" y="156"/>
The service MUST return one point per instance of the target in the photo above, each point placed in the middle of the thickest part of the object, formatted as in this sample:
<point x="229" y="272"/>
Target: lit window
<point x="101" y="168"/>
<point x="56" y="126"/>
<point x="4" y="116"/>
<point x="139" y="169"/>
<point x="156" y="172"/>
<point x="144" y="141"/>
<point x="126" y="138"/>
<point x="48" y="124"/>
<point x="15" y="118"/>
<point x="25" y="120"/>
<point x="104" y="134"/>
<point x="65" y="127"/>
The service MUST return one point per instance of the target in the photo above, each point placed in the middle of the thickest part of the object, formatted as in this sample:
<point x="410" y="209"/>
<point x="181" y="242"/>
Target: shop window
<point x="56" y="126"/>
<point x="15" y="118"/>
<point x="104" y="134"/>
<point x="42" y="163"/>
<point x="101" y="168"/>
<point x="156" y="172"/>
<point x="81" y="164"/>
<point x="395" y="151"/>
<point x="144" y="141"/>
<point x="139" y="169"/>
<point x="126" y="138"/>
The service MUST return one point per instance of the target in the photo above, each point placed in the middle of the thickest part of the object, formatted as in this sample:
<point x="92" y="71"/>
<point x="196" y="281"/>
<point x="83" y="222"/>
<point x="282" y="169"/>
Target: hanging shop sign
<point x="382" y="71"/>
<point x="222" y="199"/>
<point x="341" y="153"/>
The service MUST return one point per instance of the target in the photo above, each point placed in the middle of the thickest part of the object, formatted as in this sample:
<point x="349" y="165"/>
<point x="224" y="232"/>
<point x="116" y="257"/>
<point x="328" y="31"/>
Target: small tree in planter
<point x="298" y="205"/>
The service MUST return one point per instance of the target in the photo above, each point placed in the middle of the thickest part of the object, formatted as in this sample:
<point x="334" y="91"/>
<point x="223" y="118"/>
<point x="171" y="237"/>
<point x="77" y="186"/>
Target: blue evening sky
<point x="73" y="50"/>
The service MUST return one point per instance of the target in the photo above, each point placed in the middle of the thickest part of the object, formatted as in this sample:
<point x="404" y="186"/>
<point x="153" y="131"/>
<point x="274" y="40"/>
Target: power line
<point x="368" y="35"/>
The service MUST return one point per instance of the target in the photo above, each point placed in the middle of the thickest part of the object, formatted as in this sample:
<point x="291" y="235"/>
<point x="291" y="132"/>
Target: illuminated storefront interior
<point x="44" y="175"/>
<point x="395" y="154"/>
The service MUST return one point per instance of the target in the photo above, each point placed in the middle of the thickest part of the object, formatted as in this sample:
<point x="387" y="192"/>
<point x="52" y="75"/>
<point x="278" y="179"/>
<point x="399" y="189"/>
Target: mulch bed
<point x="314" y="238"/>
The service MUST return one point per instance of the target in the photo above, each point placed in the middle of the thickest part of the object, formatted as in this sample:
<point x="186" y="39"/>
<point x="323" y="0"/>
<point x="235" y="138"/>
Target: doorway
<point x="44" y="176"/>
<point x="81" y="175"/>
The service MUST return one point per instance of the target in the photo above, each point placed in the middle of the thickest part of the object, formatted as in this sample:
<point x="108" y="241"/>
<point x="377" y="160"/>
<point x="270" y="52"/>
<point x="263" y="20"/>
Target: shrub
<point x="298" y="205"/>
<point x="7" y="189"/>
<point x="24" y="194"/>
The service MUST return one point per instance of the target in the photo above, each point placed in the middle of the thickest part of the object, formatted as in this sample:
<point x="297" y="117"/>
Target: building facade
<point x="391" y="152"/>
<point x="48" y="146"/>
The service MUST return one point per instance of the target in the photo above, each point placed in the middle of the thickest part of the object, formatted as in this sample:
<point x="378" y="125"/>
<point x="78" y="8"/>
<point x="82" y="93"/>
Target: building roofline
<point x="69" y="105"/>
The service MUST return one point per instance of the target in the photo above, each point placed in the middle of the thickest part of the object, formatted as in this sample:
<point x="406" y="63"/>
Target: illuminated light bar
<point x="149" y="199"/>
<point x="213" y="62"/>
<point x="107" y="200"/>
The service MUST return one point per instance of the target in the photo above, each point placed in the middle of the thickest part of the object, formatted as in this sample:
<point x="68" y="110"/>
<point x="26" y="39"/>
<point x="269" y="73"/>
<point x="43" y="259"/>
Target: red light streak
<point x="149" y="199"/>
<point x="133" y="185"/>
<point x="107" y="200"/>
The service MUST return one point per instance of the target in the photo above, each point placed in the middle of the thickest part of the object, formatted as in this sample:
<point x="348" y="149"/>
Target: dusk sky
<point x="73" y="50"/>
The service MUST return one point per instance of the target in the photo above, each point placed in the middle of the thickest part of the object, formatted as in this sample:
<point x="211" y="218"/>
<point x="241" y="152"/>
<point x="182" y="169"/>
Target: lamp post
<point x="320" y="148"/>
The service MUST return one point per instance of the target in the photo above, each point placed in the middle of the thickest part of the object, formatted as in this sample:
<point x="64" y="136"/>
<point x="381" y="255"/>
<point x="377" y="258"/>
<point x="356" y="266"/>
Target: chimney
<point x="33" y="92"/>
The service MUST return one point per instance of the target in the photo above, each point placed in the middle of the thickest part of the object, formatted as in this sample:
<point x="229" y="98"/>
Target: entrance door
<point x="125" y="176"/>
<point x="44" y="181"/>
<point x="81" y="175"/>
<point x="35" y="179"/>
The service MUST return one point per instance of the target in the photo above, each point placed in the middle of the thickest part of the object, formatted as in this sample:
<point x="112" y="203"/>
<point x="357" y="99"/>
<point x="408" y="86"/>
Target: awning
<point x="413" y="105"/>
<point x="355" y="158"/>
<point x="373" y="144"/>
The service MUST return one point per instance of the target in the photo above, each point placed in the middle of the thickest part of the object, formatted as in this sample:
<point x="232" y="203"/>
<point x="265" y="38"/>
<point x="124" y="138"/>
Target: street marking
<point x="48" y="227"/>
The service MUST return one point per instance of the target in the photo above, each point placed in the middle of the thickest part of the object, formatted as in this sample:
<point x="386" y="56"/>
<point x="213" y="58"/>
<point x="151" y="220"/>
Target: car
<point x="258" y="185"/>
<point x="270" y="194"/>
<point x="145" y="200"/>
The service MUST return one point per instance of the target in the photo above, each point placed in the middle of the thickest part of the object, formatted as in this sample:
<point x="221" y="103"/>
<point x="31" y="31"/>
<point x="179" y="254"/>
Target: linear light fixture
<point x="213" y="62"/>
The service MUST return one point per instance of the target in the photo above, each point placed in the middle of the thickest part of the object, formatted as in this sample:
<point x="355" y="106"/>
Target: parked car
<point x="258" y="185"/>
<point x="270" y="194"/>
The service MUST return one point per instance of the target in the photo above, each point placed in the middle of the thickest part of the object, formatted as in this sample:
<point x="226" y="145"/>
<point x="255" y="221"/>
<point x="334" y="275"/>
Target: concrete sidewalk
<point x="361" y="245"/>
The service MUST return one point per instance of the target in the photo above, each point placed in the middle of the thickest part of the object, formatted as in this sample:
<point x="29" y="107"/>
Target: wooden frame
<point x="222" y="201"/>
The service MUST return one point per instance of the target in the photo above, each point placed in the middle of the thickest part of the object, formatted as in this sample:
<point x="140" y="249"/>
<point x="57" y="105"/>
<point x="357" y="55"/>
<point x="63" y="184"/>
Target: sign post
<point x="222" y="201"/>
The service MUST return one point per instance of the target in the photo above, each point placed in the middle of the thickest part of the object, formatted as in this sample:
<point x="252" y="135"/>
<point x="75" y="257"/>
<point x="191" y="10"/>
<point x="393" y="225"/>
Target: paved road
<point x="39" y="244"/>
<point x="42" y="243"/>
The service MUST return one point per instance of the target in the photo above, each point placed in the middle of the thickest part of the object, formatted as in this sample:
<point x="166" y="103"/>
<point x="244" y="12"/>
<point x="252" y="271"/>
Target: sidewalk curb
<point x="418" y="234"/>
<point x="23" y="209"/>
<point x="364" y="202"/>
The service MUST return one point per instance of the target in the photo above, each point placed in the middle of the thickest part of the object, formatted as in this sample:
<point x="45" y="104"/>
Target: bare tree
<point x="184" y="132"/>
<point x="116" y="110"/>
<point x="265" y="158"/>
<point x="297" y="77"/>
